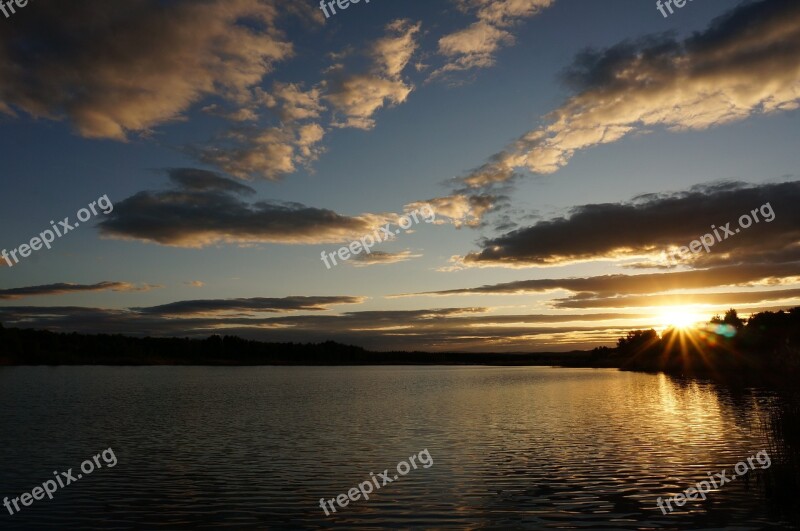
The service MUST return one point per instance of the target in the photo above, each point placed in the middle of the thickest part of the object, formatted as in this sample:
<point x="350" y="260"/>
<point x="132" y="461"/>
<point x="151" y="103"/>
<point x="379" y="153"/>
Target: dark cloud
<point x="600" y="68"/>
<point x="681" y="299"/>
<point x="247" y="306"/>
<point x="113" y="68"/>
<point x="67" y="288"/>
<point x="618" y="284"/>
<point x="204" y="209"/>
<point x="197" y="180"/>
<point x="650" y="225"/>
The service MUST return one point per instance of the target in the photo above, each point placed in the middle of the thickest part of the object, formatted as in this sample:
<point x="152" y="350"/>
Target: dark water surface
<point x="525" y="448"/>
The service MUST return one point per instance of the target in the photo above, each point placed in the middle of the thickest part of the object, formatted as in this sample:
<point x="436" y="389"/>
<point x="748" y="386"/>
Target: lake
<point x="518" y="447"/>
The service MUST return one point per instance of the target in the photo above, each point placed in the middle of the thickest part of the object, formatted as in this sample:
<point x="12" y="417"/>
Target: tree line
<point x="41" y="347"/>
<point x="767" y="342"/>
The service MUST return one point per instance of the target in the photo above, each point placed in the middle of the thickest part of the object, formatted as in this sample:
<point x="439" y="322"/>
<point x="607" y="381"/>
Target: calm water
<point x="531" y="448"/>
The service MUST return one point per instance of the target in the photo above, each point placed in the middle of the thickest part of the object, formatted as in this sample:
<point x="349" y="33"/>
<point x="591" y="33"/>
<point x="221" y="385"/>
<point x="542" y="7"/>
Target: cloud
<point x="195" y="283"/>
<point x="68" y="288"/>
<point x="458" y="209"/>
<point x="247" y="306"/>
<point x="380" y="257"/>
<point x="392" y="52"/>
<point x="680" y="299"/>
<point x="743" y="64"/>
<point x="506" y="12"/>
<point x="472" y="47"/>
<point x="431" y="329"/>
<point x="620" y="284"/>
<point x="359" y="96"/>
<point x="196" y="180"/>
<point x="294" y="103"/>
<point x="115" y="68"/>
<point x="651" y="225"/>
<point x="269" y="153"/>
<point x="434" y="329"/>
<point x="476" y="45"/>
<point x="243" y="114"/>
<point x="280" y="149"/>
<point x="204" y="209"/>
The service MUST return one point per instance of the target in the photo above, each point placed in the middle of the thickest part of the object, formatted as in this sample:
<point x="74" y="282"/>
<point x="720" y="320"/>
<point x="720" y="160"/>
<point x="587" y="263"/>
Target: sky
<point x="560" y="157"/>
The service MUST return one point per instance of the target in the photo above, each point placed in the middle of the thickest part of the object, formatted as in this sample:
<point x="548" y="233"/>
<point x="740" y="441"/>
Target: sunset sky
<point x="563" y="145"/>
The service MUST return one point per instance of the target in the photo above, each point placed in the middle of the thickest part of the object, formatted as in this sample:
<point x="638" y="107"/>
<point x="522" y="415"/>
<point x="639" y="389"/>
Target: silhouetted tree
<point x="767" y="344"/>
<point x="731" y="318"/>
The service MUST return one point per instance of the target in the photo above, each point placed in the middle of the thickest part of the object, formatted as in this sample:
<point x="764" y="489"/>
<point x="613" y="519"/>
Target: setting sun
<point x="680" y="318"/>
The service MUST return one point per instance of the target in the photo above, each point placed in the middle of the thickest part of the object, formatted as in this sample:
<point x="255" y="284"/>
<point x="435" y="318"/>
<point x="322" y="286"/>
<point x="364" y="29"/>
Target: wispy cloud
<point x="645" y="283"/>
<point x="247" y="306"/>
<point x="306" y="113"/>
<point x="380" y="258"/>
<point x="744" y="64"/>
<point x="459" y="209"/>
<point x="269" y="153"/>
<point x="359" y="96"/>
<point x="467" y="328"/>
<point x="789" y="296"/>
<point x="68" y="289"/>
<point x="476" y="45"/>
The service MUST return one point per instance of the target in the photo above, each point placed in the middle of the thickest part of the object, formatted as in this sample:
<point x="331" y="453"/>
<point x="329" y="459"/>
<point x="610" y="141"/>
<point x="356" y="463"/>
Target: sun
<point x="679" y="318"/>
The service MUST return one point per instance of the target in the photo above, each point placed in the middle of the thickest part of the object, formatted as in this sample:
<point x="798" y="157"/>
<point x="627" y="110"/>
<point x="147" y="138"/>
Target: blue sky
<point x="341" y="125"/>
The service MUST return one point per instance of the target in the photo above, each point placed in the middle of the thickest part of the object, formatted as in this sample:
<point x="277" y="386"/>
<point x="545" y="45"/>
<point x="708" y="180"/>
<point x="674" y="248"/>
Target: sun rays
<point x="680" y="318"/>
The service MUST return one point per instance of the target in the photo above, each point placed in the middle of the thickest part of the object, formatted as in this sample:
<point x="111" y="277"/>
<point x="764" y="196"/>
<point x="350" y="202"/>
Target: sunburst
<point x="679" y="318"/>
